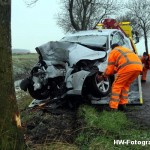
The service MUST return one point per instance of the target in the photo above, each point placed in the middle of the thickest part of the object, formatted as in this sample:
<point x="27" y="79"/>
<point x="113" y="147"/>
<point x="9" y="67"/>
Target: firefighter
<point x="127" y="66"/>
<point x="146" y="61"/>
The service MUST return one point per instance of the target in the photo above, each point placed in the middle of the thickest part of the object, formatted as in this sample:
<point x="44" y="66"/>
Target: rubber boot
<point x="112" y="109"/>
<point x="143" y="81"/>
<point x="122" y="107"/>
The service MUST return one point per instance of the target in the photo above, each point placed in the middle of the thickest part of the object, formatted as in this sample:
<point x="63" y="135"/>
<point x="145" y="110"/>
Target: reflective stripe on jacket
<point x="122" y="60"/>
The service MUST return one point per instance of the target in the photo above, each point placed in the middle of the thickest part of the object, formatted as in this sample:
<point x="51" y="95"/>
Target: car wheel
<point x="39" y="94"/>
<point x="101" y="88"/>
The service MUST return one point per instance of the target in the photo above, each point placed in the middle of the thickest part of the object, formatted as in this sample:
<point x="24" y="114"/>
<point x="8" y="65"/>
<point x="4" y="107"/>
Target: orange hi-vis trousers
<point x="120" y="88"/>
<point x="144" y="73"/>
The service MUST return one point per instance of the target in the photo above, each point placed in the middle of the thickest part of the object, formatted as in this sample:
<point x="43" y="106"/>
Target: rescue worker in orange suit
<point x="127" y="66"/>
<point x="146" y="61"/>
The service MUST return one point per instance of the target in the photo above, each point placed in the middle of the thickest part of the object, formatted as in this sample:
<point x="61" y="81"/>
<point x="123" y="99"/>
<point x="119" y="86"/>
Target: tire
<point x="39" y="94"/>
<point x="100" y="88"/>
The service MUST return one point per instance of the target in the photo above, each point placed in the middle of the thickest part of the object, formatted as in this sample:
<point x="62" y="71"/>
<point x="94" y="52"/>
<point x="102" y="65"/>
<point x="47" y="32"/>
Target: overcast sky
<point x="33" y="26"/>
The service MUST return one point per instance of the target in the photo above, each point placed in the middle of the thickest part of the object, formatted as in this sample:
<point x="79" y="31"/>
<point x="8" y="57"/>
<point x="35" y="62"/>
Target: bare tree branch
<point x="71" y="15"/>
<point x="30" y="3"/>
<point x="140" y="11"/>
<point x="85" y="14"/>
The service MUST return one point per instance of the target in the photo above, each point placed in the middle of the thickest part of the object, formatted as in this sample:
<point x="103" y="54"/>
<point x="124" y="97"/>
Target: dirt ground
<point x="45" y="127"/>
<point x="141" y="114"/>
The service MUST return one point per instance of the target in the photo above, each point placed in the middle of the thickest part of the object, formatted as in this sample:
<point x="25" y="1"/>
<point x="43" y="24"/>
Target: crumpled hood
<point x="67" y="52"/>
<point x="54" y="51"/>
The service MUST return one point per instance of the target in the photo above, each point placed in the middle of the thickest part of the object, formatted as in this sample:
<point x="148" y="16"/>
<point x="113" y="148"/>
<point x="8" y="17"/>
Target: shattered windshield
<point x="91" y="40"/>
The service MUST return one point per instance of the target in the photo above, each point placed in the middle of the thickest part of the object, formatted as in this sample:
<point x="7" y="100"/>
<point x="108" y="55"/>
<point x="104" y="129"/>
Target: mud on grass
<point x="43" y="127"/>
<point x="78" y="127"/>
<point x="85" y="128"/>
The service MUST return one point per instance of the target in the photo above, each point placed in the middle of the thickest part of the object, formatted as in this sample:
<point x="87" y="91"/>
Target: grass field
<point x="23" y="63"/>
<point x="28" y="55"/>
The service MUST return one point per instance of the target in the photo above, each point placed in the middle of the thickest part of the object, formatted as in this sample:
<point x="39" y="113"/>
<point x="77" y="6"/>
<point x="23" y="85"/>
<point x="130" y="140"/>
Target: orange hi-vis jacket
<point x="146" y="62"/>
<point x="122" y="60"/>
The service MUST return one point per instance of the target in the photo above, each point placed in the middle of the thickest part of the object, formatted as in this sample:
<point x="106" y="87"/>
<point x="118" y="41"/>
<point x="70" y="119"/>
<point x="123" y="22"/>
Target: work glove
<point x="100" y="77"/>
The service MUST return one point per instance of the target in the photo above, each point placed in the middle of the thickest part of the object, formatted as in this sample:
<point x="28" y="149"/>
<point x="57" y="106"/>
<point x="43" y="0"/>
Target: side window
<point x="118" y="38"/>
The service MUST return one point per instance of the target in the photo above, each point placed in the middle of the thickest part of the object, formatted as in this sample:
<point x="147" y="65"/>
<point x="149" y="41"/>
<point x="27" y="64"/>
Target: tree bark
<point x="76" y="27"/>
<point x="11" y="136"/>
<point x="146" y="42"/>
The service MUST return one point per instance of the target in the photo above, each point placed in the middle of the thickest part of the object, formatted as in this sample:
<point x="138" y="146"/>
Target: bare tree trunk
<point x="146" y="42"/>
<point x="76" y="27"/>
<point x="11" y="136"/>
